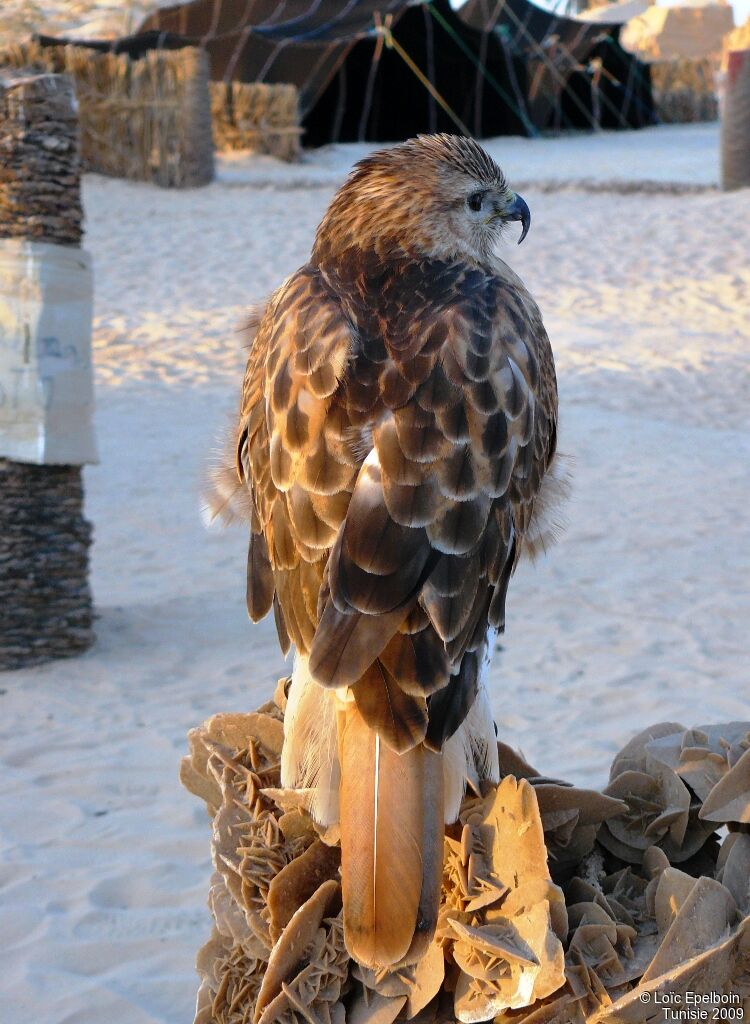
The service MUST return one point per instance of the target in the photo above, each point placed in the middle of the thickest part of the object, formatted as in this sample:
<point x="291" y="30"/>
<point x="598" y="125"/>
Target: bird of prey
<point x="398" y="417"/>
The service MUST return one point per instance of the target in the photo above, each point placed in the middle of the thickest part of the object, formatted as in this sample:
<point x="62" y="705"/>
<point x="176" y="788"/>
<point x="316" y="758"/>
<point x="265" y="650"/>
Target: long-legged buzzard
<point x="398" y="417"/>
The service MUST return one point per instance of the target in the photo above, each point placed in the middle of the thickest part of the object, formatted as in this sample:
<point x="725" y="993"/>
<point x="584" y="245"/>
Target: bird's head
<point x="439" y="196"/>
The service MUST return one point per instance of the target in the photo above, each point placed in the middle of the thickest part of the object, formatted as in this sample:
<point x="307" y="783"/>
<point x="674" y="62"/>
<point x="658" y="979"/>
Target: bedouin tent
<point x="375" y="70"/>
<point x="383" y="70"/>
<point x="578" y="74"/>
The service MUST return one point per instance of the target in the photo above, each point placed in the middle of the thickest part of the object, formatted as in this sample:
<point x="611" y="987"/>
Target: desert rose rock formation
<point x="559" y="905"/>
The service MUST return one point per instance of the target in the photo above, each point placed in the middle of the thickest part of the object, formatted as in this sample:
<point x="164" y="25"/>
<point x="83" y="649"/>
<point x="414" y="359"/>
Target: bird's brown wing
<point x="295" y="452"/>
<point x="459" y="392"/>
<point x="389" y="569"/>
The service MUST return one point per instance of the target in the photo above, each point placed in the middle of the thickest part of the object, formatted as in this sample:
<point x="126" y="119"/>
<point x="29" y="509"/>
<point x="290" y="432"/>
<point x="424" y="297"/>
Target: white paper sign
<point x="46" y="373"/>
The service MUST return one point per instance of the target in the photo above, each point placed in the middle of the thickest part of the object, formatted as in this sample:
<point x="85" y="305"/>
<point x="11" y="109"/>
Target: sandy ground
<point x="82" y="19"/>
<point x="681" y="157"/>
<point x="640" y="613"/>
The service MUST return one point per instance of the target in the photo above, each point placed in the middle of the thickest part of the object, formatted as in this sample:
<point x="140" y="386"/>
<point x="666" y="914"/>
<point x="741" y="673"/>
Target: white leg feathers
<point x="470" y="755"/>
<point x="309" y="759"/>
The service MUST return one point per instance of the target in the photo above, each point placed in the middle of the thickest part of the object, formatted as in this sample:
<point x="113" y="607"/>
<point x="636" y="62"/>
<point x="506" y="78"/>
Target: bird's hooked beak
<point x="518" y="210"/>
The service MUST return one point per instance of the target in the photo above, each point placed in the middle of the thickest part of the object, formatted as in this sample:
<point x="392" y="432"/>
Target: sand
<point x="81" y="19"/>
<point x="640" y="613"/>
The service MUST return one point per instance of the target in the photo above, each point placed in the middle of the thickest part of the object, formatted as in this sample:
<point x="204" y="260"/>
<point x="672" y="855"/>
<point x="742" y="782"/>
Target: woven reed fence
<point x="253" y="115"/>
<point x="147" y="119"/>
<point x="685" y="90"/>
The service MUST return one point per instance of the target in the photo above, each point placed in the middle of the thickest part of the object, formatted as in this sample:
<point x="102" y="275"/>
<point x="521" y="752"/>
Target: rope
<point x="607" y="39"/>
<point x="523" y="28"/>
<point x="635" y="69"/>
<point x="560" y="81"/>
<point x="272" y="27"/>
<point x="628" y="88"/>
<point x="575" y="65"/>
<point x="313" y="9"/>
<point x="282" y="45"/>
<point x="215" y="16"/>
<point x="371" y="76"/>
<point x="467" y="51"/>
<point x="430" y="48"/>
<point x="479" y="85"/>
<point x="317" y="31"/>
<point x="515" y="83"/>
<point x="338" y="117"/>
<point x="393" y="44"/>
<point x="237" y="53"/>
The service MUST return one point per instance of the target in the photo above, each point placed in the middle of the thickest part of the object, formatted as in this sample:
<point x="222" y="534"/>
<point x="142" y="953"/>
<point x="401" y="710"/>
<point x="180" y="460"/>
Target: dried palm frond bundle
<point x="257" y="116"/>
<point x="147" y="119"/>
<point x="685" y="90"/>
<point x="737" y="39"/>
<point x="44" y="564"/>
<point x="559" y="905"/>
<point x="40" y="186"/>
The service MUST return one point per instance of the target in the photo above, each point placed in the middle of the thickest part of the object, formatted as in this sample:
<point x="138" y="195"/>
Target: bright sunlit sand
<point x="641" y="615"/>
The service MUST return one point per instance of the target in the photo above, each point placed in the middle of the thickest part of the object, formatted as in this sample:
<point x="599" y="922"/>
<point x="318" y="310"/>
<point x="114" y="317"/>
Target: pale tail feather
<point x="391" y="808"/>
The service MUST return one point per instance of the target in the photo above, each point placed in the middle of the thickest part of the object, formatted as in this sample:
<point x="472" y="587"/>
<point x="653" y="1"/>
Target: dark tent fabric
<point x="352" y="86"/>
<point x="309" y="20"/>
<point x="383" y="70"/>
<point x="501" y="66"/>
<point x="299" y="41"/>
<point x="579" y="75"/>
<point x="376" y="95"/>
<point x="521" y="72"/>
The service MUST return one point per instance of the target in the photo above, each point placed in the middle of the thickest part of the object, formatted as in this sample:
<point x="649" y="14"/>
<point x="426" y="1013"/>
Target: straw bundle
<point x="685" y="90"/>
<point x="39" y="162"/>
<point x="146" y="119"/>
<point x="264" y="118"/>
<point x="737" y="39"/>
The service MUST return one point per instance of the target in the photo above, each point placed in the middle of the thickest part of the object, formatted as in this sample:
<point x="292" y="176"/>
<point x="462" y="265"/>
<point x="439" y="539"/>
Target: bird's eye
<point x="474" y="202"/>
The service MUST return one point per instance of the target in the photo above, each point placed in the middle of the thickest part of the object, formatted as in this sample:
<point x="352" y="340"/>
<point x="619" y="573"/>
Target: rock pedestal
<point x="559" y="905"/>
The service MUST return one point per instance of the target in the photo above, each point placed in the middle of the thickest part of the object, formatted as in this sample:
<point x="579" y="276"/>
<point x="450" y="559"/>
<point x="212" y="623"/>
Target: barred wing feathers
<point x="398" y="419"/>
<point x="293" y="453"/>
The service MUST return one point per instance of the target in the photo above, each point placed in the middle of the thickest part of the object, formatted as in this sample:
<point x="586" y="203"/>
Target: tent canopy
<point x="383" y="70"/>
<point x="579" y="75"/>
<point x="498" y="66"/>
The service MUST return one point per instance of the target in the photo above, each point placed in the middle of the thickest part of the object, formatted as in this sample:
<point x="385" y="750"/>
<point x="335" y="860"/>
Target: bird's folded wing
<point x="465" y="402"/>
<point x="294" y="452"/>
